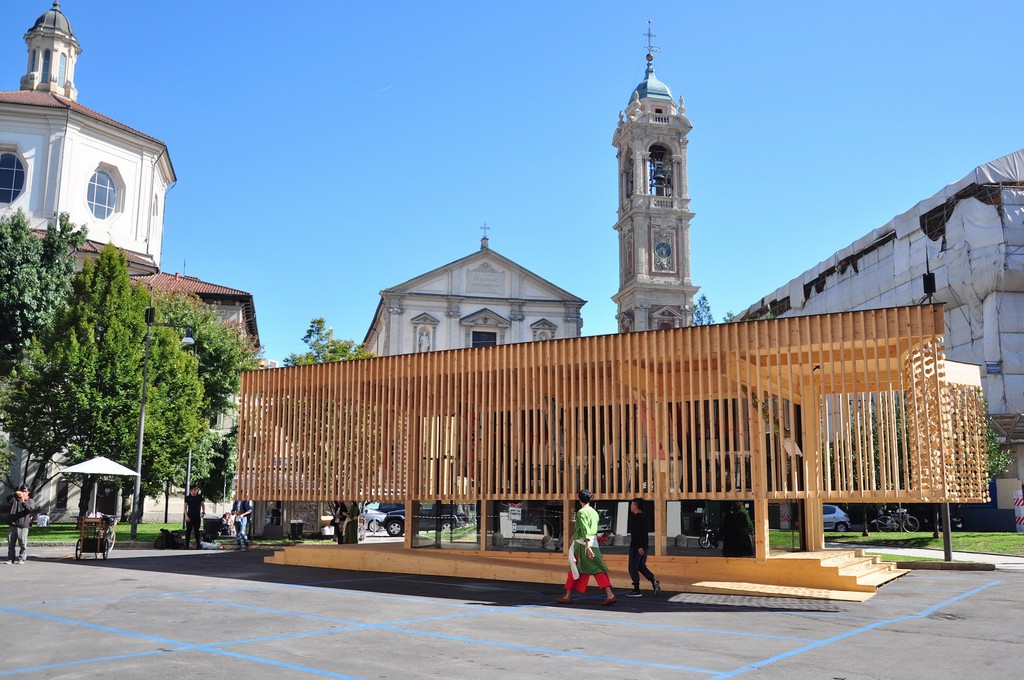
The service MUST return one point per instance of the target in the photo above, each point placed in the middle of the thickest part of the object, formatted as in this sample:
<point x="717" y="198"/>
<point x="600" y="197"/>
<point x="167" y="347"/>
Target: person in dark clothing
<point x="638" y="548"/>
<point x="736" y="531"/>
<point x="195" y="508"/>
<point x="22" y="509"/>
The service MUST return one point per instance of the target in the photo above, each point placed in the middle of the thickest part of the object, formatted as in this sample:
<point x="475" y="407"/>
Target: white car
<point x="835" y="518"/>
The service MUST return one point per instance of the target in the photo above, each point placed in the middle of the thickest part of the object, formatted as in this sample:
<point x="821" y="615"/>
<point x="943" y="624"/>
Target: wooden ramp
<point x="828" y="574"/>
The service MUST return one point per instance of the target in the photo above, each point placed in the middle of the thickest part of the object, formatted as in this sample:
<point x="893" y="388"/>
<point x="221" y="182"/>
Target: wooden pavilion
<point x="851" y="407"/>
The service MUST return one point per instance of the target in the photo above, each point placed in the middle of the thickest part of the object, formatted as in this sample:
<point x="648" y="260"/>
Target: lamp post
<point x="187" y="340"/>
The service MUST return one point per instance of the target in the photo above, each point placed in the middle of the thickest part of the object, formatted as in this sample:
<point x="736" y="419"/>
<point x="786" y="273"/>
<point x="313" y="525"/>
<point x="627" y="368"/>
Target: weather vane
<point x="651" y="48"/>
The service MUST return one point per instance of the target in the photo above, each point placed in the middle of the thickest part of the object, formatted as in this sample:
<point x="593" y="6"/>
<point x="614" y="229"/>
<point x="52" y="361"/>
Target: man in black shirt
<point x="638" y="547"/>
<point x="195" y="508"/>
<point x="22" y="509"/>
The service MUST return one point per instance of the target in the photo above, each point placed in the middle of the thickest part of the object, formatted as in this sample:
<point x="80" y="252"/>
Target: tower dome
<point x="650" y="87"/>
<point x="53" y="19"/>
<point x="53" y="51"/>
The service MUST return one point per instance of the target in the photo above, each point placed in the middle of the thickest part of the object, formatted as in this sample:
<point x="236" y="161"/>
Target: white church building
<point x="58" y="156"/>
<point x="480" y="300"/>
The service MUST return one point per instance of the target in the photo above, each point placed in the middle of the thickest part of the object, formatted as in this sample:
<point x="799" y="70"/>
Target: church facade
<point x="655" y="288"/>
<point x="481" y="300"/>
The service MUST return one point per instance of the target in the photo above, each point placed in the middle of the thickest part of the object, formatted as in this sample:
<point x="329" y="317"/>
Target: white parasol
<point x="99" y="466"/>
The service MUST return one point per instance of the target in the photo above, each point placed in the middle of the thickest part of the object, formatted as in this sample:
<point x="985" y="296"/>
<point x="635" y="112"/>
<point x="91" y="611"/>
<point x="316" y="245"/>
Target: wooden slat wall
<point x="843" y="406"/>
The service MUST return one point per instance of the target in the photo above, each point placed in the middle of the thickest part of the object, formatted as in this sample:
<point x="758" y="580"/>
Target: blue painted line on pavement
<point x="842" y="636"/>
<point x="64" y="664"/>
<point x="269" y="610"/>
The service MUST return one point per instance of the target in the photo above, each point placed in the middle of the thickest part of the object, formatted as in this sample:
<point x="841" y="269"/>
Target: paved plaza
<point x="225" y="614"/>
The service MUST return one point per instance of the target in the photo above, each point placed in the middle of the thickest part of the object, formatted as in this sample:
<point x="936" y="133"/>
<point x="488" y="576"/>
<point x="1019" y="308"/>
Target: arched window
<point x="102" y="194"/>
<point x="35" y="61"/>
<point x="659" y="171"/>
<point x="12" y="177"/>
<point x="46" y="66"/>
<point x="63" y="64"/>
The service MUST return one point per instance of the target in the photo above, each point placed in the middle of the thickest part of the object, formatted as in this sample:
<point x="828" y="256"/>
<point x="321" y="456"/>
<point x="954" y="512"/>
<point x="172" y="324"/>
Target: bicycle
<point x="898" y="520"/>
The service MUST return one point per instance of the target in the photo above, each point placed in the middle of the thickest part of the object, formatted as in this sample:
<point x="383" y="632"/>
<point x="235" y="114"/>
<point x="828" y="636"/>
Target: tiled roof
<point x="94" y="247"/>
<point x="186" y="284"/>
<point x="54" y="101"/>
<point x="206" y="291"/>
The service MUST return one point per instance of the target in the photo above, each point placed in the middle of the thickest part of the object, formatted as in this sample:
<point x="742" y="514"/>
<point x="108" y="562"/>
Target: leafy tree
<point x="222" y="348"/>
<point x="77" y="393"/>
<point x="1000" y="457"/>
<point x="702" y="312"/>
<point x="324" y="349"/>
<point x="35" y="278"/>
<point x="223" y="351"/>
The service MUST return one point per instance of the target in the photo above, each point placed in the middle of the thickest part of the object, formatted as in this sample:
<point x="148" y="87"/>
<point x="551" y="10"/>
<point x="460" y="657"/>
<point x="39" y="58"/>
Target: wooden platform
<point x="846" y="575"/>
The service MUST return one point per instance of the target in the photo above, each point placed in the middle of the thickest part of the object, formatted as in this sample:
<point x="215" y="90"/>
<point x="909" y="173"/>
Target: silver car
<point x="836" y="518"/>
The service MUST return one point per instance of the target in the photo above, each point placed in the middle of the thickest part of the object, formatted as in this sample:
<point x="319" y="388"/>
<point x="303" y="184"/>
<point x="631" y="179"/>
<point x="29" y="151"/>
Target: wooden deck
<point x="846" y="575"/>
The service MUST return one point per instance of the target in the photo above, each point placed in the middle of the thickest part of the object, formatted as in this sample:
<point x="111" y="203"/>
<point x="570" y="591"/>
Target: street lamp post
<point x="187" y="340"/>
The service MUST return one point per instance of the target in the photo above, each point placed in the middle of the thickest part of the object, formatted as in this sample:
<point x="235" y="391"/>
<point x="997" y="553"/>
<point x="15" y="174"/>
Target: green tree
<point x="35" y="278"/>
<point x="223" y="350"/>
<point x="1000" y="457"/>
<point x="324" y="349"/>
<point x="702" y="312"/>
<point x="77" y="393"/>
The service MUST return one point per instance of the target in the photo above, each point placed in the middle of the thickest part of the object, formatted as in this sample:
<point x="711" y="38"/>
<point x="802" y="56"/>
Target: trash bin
<point x="297" y="526"/>
<point x="211" y="528"/>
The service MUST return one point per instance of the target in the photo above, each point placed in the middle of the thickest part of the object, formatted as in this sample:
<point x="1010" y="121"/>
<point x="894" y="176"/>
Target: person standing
<point x="22" y="508"/>
<point x="638" y="548"/>
<point x="241" y="510"/>
<point x="736" y="531"/>
<point x="585" y="555"/>
<point x="352" y="523"/>
<point x="195" y="508"/>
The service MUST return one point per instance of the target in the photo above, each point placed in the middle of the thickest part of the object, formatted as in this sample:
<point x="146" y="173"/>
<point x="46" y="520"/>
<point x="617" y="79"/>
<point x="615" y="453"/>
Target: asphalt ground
<point x="225" y="614"/>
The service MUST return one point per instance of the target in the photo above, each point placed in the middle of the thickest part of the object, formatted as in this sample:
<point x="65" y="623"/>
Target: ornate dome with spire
<point x="650" y="87"/>
<point x="54" y="19"/>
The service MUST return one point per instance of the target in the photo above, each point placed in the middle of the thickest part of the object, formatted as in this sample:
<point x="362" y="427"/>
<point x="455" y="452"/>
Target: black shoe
<point x="657" y="586"/>
<point x="634" y="593"/>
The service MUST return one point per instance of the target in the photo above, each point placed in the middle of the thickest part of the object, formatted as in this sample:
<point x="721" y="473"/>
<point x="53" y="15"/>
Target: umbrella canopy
<point x="100" y="466"/>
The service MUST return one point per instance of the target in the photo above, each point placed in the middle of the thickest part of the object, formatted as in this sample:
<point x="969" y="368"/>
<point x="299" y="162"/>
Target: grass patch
<point x="68" y="532"/>
<point x="994" y="542"/>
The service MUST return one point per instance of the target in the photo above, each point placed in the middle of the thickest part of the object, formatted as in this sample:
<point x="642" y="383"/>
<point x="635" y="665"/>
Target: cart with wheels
<point x="95" y="535"/>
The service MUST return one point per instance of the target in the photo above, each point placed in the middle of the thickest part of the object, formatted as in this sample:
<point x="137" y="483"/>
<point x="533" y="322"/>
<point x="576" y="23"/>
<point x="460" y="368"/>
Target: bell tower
<point x="654" y="215"/>
<point x="52" y="53"/>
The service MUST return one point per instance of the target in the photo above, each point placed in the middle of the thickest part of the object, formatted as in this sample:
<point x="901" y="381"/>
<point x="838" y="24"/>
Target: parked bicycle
<point x="897" y="520"/>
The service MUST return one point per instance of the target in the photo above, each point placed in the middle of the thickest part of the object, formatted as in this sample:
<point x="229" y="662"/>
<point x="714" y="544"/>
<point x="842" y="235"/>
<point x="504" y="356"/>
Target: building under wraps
<point x="859" y="406"/>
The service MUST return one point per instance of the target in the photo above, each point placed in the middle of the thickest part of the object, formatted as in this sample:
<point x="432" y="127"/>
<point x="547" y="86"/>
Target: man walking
<point x="638" y="547"/>
<point x="241" y="510"/>
<point x="22" y="509"/>
<point x="195" y="508"/>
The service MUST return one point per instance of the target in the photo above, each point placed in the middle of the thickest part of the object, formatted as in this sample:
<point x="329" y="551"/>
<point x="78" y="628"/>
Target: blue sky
<point x="327" y="150"/>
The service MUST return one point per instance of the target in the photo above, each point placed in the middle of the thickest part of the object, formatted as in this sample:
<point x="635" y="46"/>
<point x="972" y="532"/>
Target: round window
<point x="12" y="177"/>
<point x="102" y="194"/>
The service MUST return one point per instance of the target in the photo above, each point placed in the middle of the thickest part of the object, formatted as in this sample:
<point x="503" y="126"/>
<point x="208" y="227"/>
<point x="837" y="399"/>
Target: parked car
<point x="836" y="518"/>
<point x="375" y="512"/>
<point x="394" y="522"/>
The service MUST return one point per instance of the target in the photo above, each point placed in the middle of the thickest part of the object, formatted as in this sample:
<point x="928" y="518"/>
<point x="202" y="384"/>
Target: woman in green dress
<point x="352" y="523"/>
<point x="585" y="555"/>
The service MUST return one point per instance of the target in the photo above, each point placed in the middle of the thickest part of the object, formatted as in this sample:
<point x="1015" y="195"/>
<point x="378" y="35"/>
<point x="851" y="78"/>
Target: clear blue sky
<point x="327" y="150"/>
